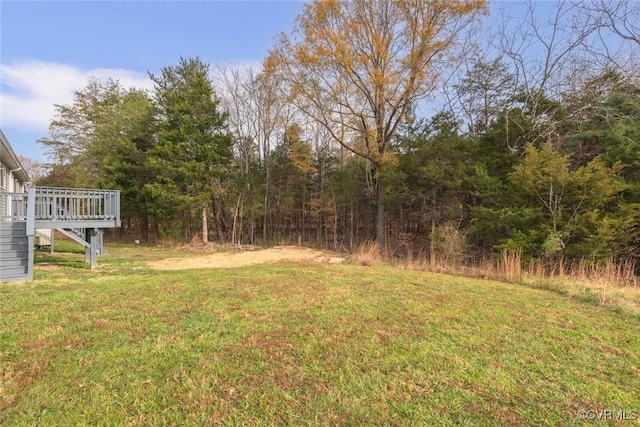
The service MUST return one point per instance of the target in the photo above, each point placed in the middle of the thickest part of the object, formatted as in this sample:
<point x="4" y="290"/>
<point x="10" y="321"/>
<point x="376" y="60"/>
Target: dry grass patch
<point x="609" y="283"/>
<point x="241" y="259"/>
<point x="368" y="254"/>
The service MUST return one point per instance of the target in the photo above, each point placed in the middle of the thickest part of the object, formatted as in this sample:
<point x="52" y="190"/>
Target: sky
<point x="49" y="49"/>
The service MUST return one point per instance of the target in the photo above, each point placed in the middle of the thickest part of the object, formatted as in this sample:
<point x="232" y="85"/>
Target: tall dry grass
<point x="368" y="254"/>
<point x="509" y="266"/>
<point x="607" y="282"/>
<point x="610" y="272"/>
<point x="611" y="283"/>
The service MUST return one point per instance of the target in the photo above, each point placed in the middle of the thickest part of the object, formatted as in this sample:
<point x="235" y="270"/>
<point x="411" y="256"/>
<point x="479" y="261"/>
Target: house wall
<point x="3" y="178"/>
<point x="10" y="181"/>
<point x="13" y="176"/>
<point x="4" y="187"/>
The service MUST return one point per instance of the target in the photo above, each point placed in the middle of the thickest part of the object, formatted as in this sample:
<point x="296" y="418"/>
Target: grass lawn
<point x="304" y="345"/>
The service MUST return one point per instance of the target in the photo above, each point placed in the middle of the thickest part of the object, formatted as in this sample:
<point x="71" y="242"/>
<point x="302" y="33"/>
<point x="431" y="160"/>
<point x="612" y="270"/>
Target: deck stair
<point x="79" y="235"/>
<point x="14" y="251"/>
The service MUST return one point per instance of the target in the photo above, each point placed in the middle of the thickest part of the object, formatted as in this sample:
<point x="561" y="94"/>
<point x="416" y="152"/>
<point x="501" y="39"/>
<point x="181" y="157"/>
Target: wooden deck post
<point x="31" y="230"/>
<point x="91" y="252"/>
<point x="31" y="211"/>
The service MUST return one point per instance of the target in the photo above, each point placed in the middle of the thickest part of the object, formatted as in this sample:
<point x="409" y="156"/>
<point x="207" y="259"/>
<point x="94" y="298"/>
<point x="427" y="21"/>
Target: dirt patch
<point x="240" y="259"/>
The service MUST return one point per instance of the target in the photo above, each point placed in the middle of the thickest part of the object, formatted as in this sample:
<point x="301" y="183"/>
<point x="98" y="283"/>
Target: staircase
<point x="79" y="235"/>
<point x="15" y="259"/>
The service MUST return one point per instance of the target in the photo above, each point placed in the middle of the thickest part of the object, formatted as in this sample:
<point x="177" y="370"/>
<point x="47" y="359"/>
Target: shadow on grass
<point x="68" y="258"/>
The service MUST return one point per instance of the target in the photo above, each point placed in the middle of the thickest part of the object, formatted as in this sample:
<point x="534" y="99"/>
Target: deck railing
<point x="53" y="207"/>
<point x="13" y="206"/>
<point x="76" y="204"/>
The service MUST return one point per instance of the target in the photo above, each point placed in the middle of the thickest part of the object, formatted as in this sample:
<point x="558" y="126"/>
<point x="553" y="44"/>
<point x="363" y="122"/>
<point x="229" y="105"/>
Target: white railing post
<point x="54" y="206"/>
<point x="117" y="209"/>
<point x="31" y="211"/>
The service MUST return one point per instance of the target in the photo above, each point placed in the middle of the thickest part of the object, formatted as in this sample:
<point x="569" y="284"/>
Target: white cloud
<point x="30" y="89"/>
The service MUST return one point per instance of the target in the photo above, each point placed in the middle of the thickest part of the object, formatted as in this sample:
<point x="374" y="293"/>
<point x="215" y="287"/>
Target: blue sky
<point x="48" y="49"/>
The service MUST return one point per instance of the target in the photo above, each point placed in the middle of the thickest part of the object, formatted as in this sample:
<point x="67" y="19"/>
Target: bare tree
<point x="485" y="90"/>
<point x="542" y="45"/>
<point x="237" y="96"/>
<point x="258" y="115"/>
<point x="616" y="40"/>
<point x="556" y="48"/>
<point x="620" y="16"/>
<point x="35" y="170"/>
<point x="359" y="67"/>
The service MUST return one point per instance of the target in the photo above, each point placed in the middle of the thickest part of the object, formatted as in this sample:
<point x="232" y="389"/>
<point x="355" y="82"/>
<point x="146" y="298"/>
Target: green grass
<point x="303" y="345"/>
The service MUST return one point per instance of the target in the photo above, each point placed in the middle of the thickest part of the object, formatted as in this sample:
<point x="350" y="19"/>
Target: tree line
<point x="534" y="147"/>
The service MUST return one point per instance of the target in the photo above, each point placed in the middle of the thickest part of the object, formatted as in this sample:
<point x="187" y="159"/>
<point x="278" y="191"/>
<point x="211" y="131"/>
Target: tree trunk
<point x="205" y="226"/>
<point x="236" y="213"/>
<point x="433" y="221"/>
<point x="266" y="211"/>
<point x="380" y="234"/>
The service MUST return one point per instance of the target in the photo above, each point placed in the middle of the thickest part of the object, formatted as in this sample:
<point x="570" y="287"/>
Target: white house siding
<point x="13" y="178"/>
<point x="5" y="178"/>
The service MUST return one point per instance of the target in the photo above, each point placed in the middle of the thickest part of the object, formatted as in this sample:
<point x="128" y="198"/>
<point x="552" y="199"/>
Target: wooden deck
<point x="74" y="208"/>
<point x="71" y="210"/>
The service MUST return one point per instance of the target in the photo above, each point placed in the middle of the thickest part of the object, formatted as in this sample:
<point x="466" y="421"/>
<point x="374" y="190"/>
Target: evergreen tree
<point x="435" y="165"/>
<point x="193" y="148"/>
<point x="573" y="203"/>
